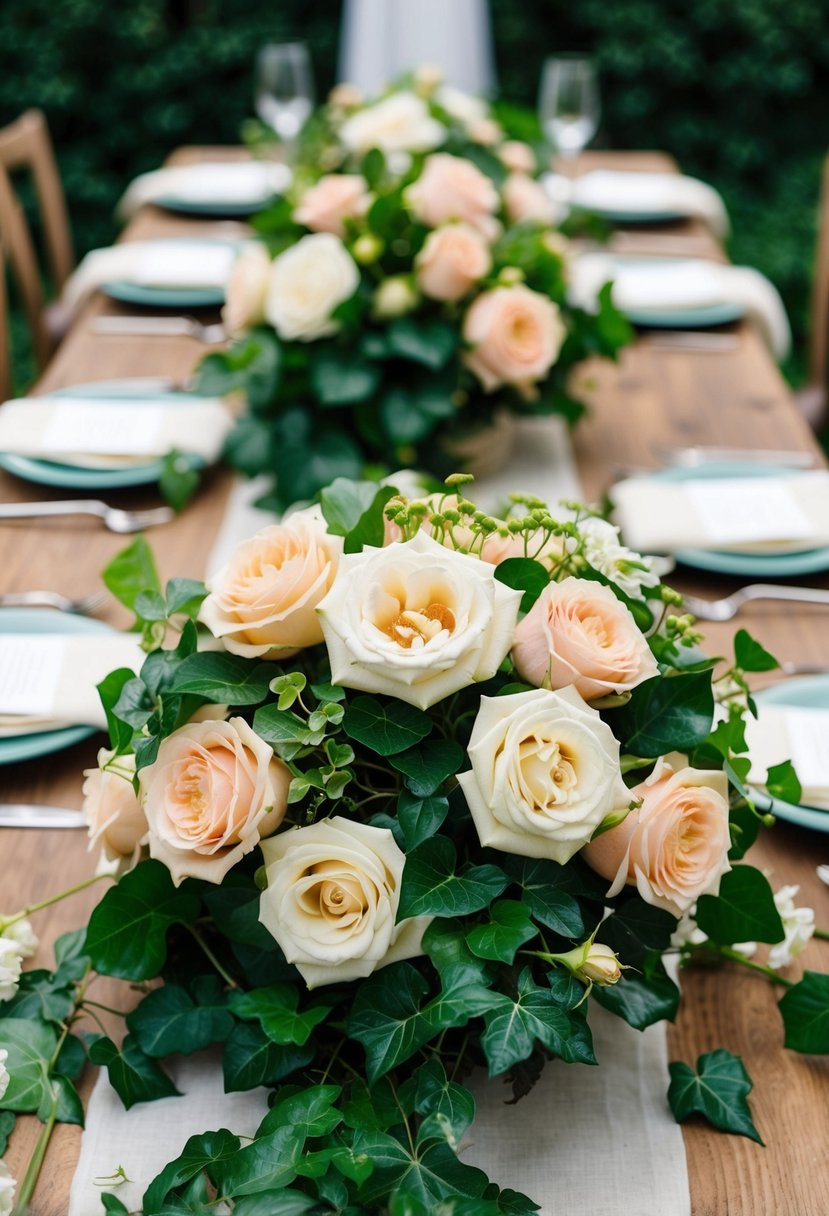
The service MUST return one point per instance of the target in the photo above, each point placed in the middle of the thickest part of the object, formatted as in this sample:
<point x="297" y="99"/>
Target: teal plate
<point x="172" y="202"/>
<point x="52" y="473"/>
<point x="164" y="297"/>
<point x="685" y="318"/>
<point x="637" y="217"/>
<point x="43" y="620"/>
<point x="810" y="692"/>
<point x="750" y="565"/>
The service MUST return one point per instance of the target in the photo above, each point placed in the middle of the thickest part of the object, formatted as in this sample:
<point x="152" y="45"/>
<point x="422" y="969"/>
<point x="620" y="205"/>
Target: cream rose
<point x="577" y="632"/>
<point x="399" y="123"/>
<point x="262" y="604"/>
<point x="335" y="198"/>
<point x="463" y="107"/>
<point x="674" y="848"/>
<point x="4" y="1073"/>
<point x="451" y="188"/>
<point x="115" y="816"/>
<point x="453" y="259"/>
<point x="331" y="900"/>
<point x="11" y="965"/>
<point x="526" y="199"/>
<point x="247" y="286"/>
<point x="307" y="282"/>
<point x="214" y="790"/>
<point x="515" y="335"/>
<point x="517" y="156"/>
<point x="545" y="773"/>
<point x="416" y="621"/>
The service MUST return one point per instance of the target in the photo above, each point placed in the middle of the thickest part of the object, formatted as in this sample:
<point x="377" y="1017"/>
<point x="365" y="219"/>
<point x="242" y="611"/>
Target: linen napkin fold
<point x="788" y="732"/>
<point x="191" y="264"/>
<point x="773" y="515"/>
<point x="237" y="183"/>
<point x="666" y="285"/>
<point x="98" y="432"/>
<point x="49" y="679"/>
<point x="640" y="194"/>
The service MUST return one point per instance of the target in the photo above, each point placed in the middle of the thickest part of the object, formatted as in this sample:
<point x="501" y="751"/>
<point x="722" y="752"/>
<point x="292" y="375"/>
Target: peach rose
<point x="451" y="261"/>
<point x="526" y="199"/>
<point x="262" y="604"/>
<point x="246" y="289"/>
<point x="577" y="632"/>
<point x="214" y="791"/>
<point x="516" y="335"/>
<point x="674" y="848"/>
<point x="450" y="188"/>
<point x="115" y="816"/>
<point x="484" y="131"/>
<point x="335" y="198"/>
<point x="517" y="156"/>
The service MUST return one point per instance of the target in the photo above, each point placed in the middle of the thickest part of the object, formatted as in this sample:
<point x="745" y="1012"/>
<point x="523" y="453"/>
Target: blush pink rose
<point x="526" y="199"/>
<point x="515" y="335"/>
<point x="577" y="632"/>
<point x="334" y="199"/>
<point x="517" y="156"/>
<point x="213" y="792"/>
<point x="115" y="816"/>
<point x="674" y="847"/>
<point x="246" y="289"/>
<point x="452" y="260"/>
<point x="450" y="188"/>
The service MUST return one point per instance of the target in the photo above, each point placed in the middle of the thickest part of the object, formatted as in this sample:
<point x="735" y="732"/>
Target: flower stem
<point x="768" y="972"/>
<point x="226" y="976"/>
<point x="822" y="933"/>
<point x="7" y="921"/>
<point x="27" y="1186"/>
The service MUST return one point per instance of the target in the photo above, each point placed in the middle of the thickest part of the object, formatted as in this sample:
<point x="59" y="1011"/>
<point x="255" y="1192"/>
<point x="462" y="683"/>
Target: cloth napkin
<point x="665" y="285"/>
<point x="49" y="679"/>
<point x="238" y="183"/>
<point x="100" y="432"/>
<point x="788" y="732"/>
<point x="773" y="515"/>
<point x="640" y="193"/>
<point x="193" y="264"/>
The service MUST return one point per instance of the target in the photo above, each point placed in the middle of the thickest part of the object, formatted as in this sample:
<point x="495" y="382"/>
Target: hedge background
<point x="731" y="88"/>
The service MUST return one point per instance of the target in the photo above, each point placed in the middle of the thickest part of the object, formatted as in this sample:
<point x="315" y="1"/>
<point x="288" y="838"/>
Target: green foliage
<point x="742" y="911"/>
<point x="667" y="714"/>
<point x="718" y="1090"/>
<point x="805" y="1010"/>
<point x="133" y="1075"/>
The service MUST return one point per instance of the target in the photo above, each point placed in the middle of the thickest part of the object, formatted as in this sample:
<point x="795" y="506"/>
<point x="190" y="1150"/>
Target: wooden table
<point x="652" y="396"/>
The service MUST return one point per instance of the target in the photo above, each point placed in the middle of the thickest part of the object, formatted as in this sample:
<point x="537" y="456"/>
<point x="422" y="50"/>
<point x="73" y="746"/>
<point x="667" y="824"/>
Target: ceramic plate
<point x="685" y="318"/>
<point x="172" y="202"/>
<point x="52" y="473"/>
<point x="810" y="692"/>
<point x="750" y="565"/>
<point x="168" y="297"/>
<point x="616" y="216"/>
<point x="44" y="620"/>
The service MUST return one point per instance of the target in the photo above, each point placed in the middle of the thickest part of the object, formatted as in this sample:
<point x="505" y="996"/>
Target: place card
<point x="191" y="266"/>
<point x="106" y="428"/>
<point x="740" y="510"/>
<point x="30" y="669"/>
<point x="808" y="734"/>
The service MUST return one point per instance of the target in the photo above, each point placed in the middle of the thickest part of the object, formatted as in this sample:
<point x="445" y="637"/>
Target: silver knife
<point x="21" y="815"/>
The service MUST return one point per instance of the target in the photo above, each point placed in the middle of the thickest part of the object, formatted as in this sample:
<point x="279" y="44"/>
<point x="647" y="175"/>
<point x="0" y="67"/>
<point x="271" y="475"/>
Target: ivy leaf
<point x="431" y="343"/>
<point x="718" y="1090"/>
<point x="515" y="1025"/>
<point x="449" y="1107"/>
<point x="61" y="1094"/>
<point x="275" y="1009"/>
<point x="750" y="655"/>
<point x="420" y="818"/>
<point x="387" y="1020"/>
<point x="227" y="679"/>
<point x="311" y="1112"/>
<point x="130" y="572"/>
<point x="30" y="1045"/>
<point x="340" y="377"/>
<point x="132" y="1074"/>
<point x="375" y="1108"/>
<point x="641" y="999"/>
<point x="203" y="1152"/>
<point x="523" y="574"/>
<point x="126" y="936"/>
<point x="184" y="596"/>
<point x="250" y="1058"/>
<point x="509" y="928"/>
<point x="267" y="1164"/>
<point x="7" y="1122"/>
<point x="431" y="887"/>
<point x="426" y="767"/>
<point x="636" y="928"/>
<point x="40" y="996"/>
<point x="112" y="1204"/>
<point x="667" y="713"/>
<point x="168" y="1021"/>
<point x="805" y="1010"/>
<point x="387" y="727"/>
<point x="354" y="510"/>
<point x="109" y="690"/>
<point x="548" y="893"/>
<point x="783" y="782"/>
<point x="742" y="911"/>
<point x="430" y="1174"/>
<point x="284" y="1202"/>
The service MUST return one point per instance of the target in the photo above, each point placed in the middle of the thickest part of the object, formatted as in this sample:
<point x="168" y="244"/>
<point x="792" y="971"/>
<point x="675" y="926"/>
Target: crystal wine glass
<point x="568" y="103"/>
<point x="284" y="89"/>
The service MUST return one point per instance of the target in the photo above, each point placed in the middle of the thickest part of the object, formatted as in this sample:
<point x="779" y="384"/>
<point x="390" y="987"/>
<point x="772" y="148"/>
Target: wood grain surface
<point x="652" y="397"/>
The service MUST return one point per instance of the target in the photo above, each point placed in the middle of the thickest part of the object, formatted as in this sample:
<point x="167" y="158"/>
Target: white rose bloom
<point x="545" y="773"/>
<point x="798" y="926"/>
<point x="24" y="937"/>
<point x="7" y="1189"/>
<point x="4" y="1073"/>
<point x="416" y="621"/>
<point x="399" y="123"/>
<point x="332" y="897"/>
<point x="10" y="968"/>
<point x="307" y="282"/>
<point x="628" y="570"/>
<point x="461" y="106"/>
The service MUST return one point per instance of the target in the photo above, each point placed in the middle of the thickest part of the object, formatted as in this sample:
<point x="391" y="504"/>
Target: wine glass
<point x="284" y="94"/>
<point x="568" y="103"/>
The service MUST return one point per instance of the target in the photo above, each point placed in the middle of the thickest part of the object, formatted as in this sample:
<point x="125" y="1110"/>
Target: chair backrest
<point x="819" y="343"/>
<point x="17" y="241"/>
<point x="5" y="352"/>
<point x="25" y="143"/>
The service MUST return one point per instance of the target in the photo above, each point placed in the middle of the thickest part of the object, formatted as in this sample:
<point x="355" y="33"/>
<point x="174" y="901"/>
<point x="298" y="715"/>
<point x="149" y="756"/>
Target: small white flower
<point x="24" y="937"/>
<point x="798" y="926"/>
<point x="10" y="966"/>
<point x="7" y="1189"/>
<point x="628" y="570"/>
<point x="4" y="1073"/>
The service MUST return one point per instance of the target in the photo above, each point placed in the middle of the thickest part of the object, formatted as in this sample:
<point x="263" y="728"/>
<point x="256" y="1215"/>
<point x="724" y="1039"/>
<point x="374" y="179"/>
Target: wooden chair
<point x="819" y="335"/>
<point x="25" y="144"/>
<point x="5" y="354"/>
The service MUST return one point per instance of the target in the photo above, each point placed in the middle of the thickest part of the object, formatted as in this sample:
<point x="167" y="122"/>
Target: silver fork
<point x="83" y="606"/>
<point x="726" y="609"/>
<point x="160" y="327"/>
<point x="114" y="518"/>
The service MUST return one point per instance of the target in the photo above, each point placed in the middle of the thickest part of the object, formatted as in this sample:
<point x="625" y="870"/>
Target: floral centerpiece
<point x="430" y="784"/>
<point x="408" y="299"/>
